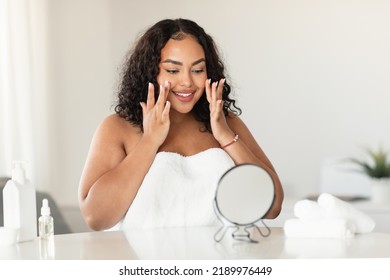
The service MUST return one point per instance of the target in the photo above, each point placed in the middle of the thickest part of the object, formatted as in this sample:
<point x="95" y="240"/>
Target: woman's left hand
<point x="219" y="126"/>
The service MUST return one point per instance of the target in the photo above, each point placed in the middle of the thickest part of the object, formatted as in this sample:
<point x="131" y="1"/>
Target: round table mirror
<point x="244" y="195"/>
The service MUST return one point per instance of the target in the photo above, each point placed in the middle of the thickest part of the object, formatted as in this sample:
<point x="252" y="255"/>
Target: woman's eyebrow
<point x="181" y="63"/>
<point x="198" y="61"/>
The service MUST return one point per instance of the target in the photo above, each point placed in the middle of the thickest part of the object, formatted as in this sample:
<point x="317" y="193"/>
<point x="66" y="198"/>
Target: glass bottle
<point x="45" y="221"/>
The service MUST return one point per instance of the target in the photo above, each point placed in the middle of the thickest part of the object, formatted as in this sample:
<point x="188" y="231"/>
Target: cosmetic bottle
<point x="45" y="221"/>
<point x="19" y="202"/>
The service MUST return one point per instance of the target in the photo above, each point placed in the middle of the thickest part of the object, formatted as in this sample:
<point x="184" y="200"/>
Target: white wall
<point x="311" y="76"/>
<point x="81" y="86"/>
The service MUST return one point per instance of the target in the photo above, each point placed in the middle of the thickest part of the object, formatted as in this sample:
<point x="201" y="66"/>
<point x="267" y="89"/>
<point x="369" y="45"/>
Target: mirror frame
<point x="218" y="185"/>
<point x="241" y="229"/>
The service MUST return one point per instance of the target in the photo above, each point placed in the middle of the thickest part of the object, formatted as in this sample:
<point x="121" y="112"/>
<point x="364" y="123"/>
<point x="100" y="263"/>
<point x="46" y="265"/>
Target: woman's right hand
<point x="156" y="114"/>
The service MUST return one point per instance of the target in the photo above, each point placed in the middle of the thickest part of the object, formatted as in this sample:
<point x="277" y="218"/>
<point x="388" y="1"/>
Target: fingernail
<point x="166" y="83"/>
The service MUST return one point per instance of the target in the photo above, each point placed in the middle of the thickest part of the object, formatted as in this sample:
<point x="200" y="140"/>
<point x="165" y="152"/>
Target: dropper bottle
<point x="45" y="221"/>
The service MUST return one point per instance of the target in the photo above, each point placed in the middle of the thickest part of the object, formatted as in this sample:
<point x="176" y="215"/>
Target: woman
<point x="156" y="162"/>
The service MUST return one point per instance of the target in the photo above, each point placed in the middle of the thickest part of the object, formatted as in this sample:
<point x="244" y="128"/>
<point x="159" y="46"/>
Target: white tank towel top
<point x="178" y="191"/>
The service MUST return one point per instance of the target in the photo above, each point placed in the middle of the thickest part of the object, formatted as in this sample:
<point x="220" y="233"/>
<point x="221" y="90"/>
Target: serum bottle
<point x="45" y="221"/>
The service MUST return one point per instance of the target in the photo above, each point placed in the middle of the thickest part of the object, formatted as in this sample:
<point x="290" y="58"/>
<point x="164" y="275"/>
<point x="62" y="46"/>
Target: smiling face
<point x="183" y="65"/>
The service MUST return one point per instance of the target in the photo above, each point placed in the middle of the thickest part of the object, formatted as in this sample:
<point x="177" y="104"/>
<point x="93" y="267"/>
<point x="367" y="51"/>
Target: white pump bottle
<point x="19" y="200"/>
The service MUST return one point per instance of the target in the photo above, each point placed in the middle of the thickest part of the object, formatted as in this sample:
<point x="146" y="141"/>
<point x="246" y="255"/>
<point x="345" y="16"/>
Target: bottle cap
<point x="45" y="209"/>
<point x="19" y="171"/>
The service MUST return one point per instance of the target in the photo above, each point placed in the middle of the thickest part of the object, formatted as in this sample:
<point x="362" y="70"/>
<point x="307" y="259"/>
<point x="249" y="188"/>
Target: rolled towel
<point x="321" y="228"/>
<point x="333" y="207"/>
<point x="307" y="210"/>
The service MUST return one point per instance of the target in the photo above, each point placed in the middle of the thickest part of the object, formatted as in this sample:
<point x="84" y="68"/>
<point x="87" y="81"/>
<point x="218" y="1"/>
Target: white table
<point x="195" y="244"/>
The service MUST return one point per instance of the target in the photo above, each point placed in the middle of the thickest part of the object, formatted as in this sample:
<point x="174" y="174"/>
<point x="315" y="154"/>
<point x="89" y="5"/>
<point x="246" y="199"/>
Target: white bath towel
<point x="178" y="191"/>
<point x="329" y="216"/>
<point x="307" y="210"/>
<point x="335" y="208"/>
<point x="321" y="228"/>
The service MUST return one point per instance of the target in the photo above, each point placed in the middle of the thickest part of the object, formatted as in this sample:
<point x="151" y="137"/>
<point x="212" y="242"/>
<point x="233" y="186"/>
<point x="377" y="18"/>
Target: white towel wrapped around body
<point x="178" y="191"/>
<point x="329" y="216"/>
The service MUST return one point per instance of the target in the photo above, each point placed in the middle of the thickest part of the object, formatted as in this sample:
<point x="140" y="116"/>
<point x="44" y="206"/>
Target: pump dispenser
<point x="46" y="222"/>
<point x="19" y="200"/>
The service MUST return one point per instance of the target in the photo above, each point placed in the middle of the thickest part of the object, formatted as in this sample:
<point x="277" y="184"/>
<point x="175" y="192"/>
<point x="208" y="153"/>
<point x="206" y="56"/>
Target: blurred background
<point x="312" y="78"/>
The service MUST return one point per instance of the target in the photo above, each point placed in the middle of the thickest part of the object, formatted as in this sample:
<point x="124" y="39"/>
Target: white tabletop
<point x="195" y="244"/>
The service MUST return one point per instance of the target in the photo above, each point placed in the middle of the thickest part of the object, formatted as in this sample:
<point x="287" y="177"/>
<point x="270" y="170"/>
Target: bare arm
<point x="118" y="160"/>
<point x="245" y="150"/>
<point x="111" y="176"/>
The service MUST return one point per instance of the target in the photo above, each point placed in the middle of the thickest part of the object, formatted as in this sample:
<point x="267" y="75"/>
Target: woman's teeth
<point x="183" y="94"/>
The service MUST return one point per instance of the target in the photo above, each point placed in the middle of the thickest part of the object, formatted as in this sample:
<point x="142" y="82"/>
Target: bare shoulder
<point x="237" y="124"/>
<point x="115" y="126"/>
<point x="115" y="131"/>
<point x="111" y="142"/>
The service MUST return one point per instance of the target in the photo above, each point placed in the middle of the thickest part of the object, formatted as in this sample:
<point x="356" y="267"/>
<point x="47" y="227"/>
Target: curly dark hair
<point x="142" y="67"/>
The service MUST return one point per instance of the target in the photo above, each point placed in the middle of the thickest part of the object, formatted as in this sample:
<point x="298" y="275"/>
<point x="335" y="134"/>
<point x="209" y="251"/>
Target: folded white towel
<point x="328" y="217"/>
<point x="307" y="210"/>
<point x="333" y="207"/>
<point x="322" y="228"/>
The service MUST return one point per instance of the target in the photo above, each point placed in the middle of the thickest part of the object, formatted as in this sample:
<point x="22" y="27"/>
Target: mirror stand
<point x="241" y="232"/>
<point x="244" y="195"/>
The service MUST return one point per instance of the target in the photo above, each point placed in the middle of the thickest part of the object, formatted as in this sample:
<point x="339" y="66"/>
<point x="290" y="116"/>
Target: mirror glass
<point x="244" y="195"/>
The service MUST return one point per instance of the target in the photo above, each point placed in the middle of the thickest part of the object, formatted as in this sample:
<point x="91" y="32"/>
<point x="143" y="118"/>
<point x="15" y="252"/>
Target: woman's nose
<point x="186" y="80"/>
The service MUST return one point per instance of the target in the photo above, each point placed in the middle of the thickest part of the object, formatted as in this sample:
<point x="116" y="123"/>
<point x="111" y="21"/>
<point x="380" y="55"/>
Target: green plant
<point x="378" y="165"/>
